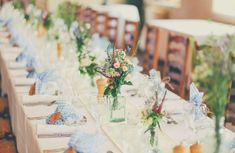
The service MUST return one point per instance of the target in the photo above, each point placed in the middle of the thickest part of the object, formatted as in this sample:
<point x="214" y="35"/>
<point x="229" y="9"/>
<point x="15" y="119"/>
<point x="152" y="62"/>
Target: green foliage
<point x="47" y="22"/>
<point x="214" y="71"/>
<point x="18" y="4"/>
<point x="67" y="11"/>
<point x="153" y="119"/>
<point x="87" y="62"/>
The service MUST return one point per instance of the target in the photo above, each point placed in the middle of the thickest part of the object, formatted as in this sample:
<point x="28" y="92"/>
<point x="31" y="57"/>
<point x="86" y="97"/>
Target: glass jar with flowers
<point x="152" y="116"/>
<point x="116" y="69"/>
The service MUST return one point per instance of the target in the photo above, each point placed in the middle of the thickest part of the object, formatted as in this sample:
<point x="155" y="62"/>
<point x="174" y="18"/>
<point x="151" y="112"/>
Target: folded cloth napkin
<point x="46" y="131"/>
<point x="196" y="99"/>
<point x="66" y="114"/>
<point x="45" y="83"/>
<point x="31" y="66"/>
<point x="17" y="65"/>
<point x="39" y="99"/>
<point x="195" y="95"/>
<point x="24" y="81"/>
<point x="86" y="142"/>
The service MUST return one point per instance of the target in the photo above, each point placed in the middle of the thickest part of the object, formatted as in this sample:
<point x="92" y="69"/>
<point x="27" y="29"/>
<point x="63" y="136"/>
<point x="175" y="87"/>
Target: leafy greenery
<point x="47" y="21"/>
<point x="213" y="72"/>
<point x="87" y="61"/>
<point x="67" y="11"/>
<point x="18" y="4"/>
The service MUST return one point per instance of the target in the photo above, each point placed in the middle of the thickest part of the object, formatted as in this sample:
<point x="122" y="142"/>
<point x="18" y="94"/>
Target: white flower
<point x="85" y="61"/>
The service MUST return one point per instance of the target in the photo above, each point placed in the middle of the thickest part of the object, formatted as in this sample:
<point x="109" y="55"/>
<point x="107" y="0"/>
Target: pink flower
<point x="116" y="65"/>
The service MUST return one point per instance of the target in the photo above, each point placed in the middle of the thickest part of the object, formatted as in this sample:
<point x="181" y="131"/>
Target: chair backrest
<point x="87" y="15"/>
<point x="112" y="29"/>
<point x="232" y="93"/>
<point x="177" y="58"/>
<point x="130" y="36"/>
<point x="100" y="23"/>
<point x="151" y="48"/>
<point x="230" y="108"/>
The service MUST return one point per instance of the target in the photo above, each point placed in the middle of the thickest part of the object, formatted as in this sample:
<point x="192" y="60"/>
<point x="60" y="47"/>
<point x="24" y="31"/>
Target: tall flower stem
<point x="217" y="133"/>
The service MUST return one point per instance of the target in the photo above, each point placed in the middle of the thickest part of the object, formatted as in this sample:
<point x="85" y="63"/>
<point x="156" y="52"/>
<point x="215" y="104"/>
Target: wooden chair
<point x="151" y="53"/>
<point x="177" y="61"/>
<point x="100" y="23"/>
<point x="112" y="29"/>
<point x="87" y="15"/>
<point x="230" y="109"/>
<point x="130" y="35"/>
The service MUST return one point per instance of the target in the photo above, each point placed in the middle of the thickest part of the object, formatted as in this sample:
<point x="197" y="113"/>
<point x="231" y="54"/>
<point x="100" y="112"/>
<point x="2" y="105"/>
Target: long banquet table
<point x="29" y="120"/>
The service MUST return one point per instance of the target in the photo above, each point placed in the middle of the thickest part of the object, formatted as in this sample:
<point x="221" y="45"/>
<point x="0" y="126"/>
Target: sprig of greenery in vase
<point x="116" y="69"/>
<point x="87" y="61"/>
<point x="67" y="11"/>
<point x="152" y="116"/>
<point x="214" y="69"/>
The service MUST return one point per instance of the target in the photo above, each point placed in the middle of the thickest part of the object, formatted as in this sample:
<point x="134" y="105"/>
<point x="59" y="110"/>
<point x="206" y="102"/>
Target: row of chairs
<point x="175" y="63"/>
<point x="109" y="26"/>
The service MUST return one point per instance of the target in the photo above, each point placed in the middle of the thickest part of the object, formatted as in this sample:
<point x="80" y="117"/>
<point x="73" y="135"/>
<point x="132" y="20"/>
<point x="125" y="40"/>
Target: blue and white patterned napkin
<point x="196" y="98"/>
<point x="69" y="115"/>
<point x="195" y="95"/>
<point x="45" y="82"/>
<point x="86" y="143"/>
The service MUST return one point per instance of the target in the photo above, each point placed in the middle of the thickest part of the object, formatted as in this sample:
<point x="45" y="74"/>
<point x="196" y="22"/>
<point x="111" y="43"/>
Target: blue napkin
<point x="156" y="81"/>
<point x="86" y="143"/>
<point x="43" y="78"/>
<point x="69" y="115"/>
<point x="195" y="95"/>
<point x="196" y="99"/>
<point x="31" y="64"/>
<point x="137" y="68"/>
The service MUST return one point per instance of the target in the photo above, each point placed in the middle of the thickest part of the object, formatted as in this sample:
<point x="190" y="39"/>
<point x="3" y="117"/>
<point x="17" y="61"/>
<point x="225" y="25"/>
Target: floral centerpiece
<point x="116" y="69"/>
<point x="87" y="61"/>
<point x="213" y="72"/>
<point x="152" y="116"/>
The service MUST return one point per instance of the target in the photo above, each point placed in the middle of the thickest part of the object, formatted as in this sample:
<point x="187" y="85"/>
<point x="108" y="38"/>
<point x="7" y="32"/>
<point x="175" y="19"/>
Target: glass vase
<point x="117" y="109"/>
<point x="155" y="146"/>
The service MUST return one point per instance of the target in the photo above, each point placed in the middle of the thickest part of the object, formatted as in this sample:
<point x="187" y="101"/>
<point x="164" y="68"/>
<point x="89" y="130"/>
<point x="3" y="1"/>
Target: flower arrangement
<point x="152" y="116"/>
<point x="87" y="61"/>
<point x="67" y="11"/>
<point x="214" y="70"/>
<point x="116" y="69"/>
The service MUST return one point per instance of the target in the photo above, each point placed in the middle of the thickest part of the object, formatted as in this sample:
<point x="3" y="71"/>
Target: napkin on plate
<point x="46" y="83"/>
<point x="66" y="114"/>
<point x="86" y="142"/>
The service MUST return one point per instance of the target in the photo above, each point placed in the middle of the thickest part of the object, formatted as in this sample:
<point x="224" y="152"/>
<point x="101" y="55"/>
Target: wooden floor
<point x="7" y="144"/>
